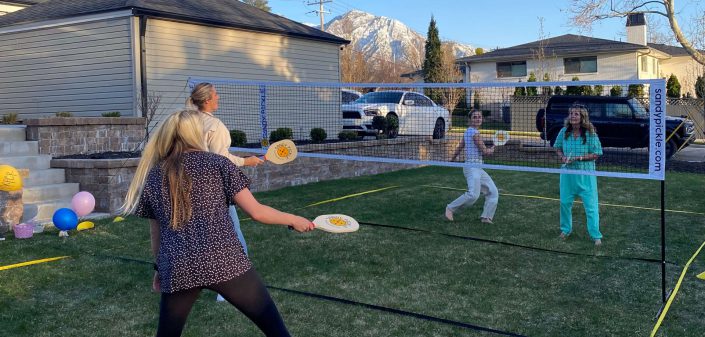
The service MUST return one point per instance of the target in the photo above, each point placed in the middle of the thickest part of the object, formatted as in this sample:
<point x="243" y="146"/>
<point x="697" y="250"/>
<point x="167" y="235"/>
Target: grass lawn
<point x="560" y="289"/>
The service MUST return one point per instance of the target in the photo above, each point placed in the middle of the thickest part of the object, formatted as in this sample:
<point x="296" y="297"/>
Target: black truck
<point x="620" y="122"/>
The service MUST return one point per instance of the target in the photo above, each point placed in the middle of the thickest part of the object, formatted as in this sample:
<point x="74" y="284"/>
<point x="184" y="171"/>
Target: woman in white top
<point x="478" y="180"/>
<point x="217" y="139"/>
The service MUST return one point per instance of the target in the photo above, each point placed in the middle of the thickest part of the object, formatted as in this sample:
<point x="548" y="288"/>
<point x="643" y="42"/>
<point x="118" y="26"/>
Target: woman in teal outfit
<point x="578" y="146"/>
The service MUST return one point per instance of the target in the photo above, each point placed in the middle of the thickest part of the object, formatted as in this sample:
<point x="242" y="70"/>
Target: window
<point x="574" y="65"/>
<point x="644" y="64"/>
<point x="511" y="69"/>
<point x="418" y="99"/>
<point x="381" y="97"/>
<point x="618" y="110"/>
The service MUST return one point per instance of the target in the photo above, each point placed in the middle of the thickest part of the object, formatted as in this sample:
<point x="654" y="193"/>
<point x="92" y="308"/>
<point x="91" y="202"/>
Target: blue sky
<point x="481" y="23"/>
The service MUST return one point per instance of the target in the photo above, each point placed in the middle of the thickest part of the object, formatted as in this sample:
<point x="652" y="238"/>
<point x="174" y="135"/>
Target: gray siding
<point x="177" y="51"/>
<point x="85" y="69"/>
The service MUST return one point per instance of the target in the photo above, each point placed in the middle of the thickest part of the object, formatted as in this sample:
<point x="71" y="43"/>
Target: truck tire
<point x="540" y="120"/>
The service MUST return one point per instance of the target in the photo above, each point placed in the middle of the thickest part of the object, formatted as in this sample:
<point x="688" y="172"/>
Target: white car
<point x="416" y="114"/>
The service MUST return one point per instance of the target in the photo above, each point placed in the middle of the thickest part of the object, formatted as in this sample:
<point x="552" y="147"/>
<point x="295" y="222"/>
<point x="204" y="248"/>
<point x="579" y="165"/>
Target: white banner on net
<point x="300" y="106"/>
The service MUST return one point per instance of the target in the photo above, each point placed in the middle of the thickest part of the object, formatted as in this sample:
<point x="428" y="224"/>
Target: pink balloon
<point x="83" y="203"/>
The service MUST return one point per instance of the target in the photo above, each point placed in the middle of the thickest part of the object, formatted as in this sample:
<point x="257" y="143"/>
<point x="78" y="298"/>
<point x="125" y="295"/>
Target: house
<point x="567" y="56"/>
<point x="9" y="6"/>
<point x="89" y="57"/>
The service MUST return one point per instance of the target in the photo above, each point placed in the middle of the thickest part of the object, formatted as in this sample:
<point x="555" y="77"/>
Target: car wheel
<point x="671" y="148"/>
<point x="393" y="126"/>
<point x="439" y="130"/>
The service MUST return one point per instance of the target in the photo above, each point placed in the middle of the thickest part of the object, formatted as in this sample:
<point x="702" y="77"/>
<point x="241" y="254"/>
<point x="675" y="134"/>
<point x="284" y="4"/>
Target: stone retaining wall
<point x="60" y="136"/>
<point x="107" y="179"/>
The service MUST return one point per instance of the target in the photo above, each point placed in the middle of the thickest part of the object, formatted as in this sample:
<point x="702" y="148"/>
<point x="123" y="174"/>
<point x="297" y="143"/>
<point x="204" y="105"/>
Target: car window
<point x="348" y="97"/>
<point x="380" y="97"/>
<point x="425" y="100"/>
<point x="618" y="110"/>
<point x="639" y="110"/>
<point x="596" y="110"/>
<point x="414" y="97"/>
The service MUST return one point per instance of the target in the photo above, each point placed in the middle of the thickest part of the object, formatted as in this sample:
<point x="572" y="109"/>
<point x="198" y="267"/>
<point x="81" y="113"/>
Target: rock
<point x="11" y="209"/>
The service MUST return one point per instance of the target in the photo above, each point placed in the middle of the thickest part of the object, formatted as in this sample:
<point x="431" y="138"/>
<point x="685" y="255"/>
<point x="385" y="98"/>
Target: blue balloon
<point x="65" y="219"/>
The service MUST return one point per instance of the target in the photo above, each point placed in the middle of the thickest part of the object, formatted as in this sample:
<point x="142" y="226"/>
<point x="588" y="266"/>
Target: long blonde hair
<point x="585" y="124"/>
<point x="199" y="95"/>
<point x="182" y="131"/>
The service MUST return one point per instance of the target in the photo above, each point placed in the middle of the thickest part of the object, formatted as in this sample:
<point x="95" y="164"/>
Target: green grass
<point x="100" y="291"/>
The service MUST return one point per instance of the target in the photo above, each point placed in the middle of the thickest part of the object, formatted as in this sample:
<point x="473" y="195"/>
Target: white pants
<point x="478" y="182"/>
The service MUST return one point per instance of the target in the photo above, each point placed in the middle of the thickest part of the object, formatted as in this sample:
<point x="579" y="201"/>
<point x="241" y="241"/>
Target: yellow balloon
<point x="85" y="225"/>
<point x="118" y="219"/>
<point x="10" y="179"/>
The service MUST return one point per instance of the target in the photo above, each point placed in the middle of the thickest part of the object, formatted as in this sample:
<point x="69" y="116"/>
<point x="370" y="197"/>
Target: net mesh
<point x="422" y="123"/>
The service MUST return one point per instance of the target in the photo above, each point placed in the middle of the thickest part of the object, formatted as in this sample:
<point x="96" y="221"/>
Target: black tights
<point x="246" y="292"/>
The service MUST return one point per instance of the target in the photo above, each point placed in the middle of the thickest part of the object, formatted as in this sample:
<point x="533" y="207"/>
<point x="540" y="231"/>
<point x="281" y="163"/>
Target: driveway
<point x="695" y="153"/>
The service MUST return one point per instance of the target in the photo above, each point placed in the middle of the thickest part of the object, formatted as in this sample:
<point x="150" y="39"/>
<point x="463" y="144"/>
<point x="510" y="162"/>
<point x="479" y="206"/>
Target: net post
<point x="264" y="141"/>
<point x="663" y="241"/>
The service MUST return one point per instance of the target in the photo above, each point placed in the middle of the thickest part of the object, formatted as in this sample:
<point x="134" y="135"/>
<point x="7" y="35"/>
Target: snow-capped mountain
<point x="379" y="37"/>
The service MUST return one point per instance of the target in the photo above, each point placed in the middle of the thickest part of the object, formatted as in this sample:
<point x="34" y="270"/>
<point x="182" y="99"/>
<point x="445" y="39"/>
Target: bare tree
<point x="353" y="67"/>
<point x="450" y="73"/>
<point x="585" y="12"/>
<point x="148" y="107"/>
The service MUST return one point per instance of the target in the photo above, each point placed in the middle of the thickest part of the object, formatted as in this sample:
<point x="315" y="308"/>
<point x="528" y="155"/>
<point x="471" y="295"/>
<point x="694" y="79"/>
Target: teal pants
<point x="585" y="187"/>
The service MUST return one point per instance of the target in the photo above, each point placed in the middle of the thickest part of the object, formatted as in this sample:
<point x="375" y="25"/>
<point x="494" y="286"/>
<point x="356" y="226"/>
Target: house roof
<point x="671" y="50"/>
<point x="226" y="13"/>
<point x="568" y="44"/>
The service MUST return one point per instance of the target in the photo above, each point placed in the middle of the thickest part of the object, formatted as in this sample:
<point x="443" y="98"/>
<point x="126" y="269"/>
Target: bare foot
<point x="449" y="214"/>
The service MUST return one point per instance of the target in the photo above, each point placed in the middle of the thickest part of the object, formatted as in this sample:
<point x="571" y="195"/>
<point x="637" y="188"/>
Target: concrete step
<point x="9" y="133"/>
<point x="38" y="194"/>
<point x="19" y="148"/>
<point x="41" y="212"/>
<point x="44" y="177"/>
<point x="36" y="162"/>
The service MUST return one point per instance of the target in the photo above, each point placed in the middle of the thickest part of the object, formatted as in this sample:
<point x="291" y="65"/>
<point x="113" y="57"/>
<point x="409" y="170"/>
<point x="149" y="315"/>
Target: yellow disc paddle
<point x="281" y="152"/>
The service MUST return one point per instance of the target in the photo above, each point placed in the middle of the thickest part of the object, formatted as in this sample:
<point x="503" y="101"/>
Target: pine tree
<point x="673" y="87"/>
<point x="547" y="90"/>
<point x="531" y="91"/>
<point x="616" y="91"/>
<point x="700" y="87"/>
<point x="432" y="64"/>
<point x="261" y="4"/>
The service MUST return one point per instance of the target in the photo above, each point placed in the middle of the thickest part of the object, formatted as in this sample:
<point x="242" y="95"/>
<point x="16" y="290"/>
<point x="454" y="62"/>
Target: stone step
<point x="38" y="194"/>
<point x="41" y="212"/>
<point x="44" y="177"/>
<point x="36" y="162"/>
<point x="18" y="148"/>
<point x="9" y="133"/>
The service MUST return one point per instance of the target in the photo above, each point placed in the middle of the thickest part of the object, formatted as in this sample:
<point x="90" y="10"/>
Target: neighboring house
<point x="15" y="5"/>
<point x="94" y="56"/>
<point x="567" y="56"/>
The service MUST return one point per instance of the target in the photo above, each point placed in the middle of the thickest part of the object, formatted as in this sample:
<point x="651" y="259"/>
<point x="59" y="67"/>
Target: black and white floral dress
<point x="205" y="250"/>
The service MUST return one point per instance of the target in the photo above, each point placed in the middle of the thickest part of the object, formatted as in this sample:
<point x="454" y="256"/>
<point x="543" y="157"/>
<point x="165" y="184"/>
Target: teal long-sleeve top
<point x="574" y="147"/>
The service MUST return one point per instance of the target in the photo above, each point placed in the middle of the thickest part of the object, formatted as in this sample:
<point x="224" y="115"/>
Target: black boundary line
<point x="398" y="312"/>
<point x="350" y="302"/>
<point x="470" y="238"/>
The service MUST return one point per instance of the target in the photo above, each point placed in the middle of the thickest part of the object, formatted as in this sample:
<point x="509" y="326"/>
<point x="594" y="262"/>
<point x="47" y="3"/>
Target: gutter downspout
<point x="143" y="64"/>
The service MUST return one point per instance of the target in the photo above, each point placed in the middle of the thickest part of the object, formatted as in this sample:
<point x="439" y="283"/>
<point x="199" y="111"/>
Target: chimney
<point x="636" y="28"/>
